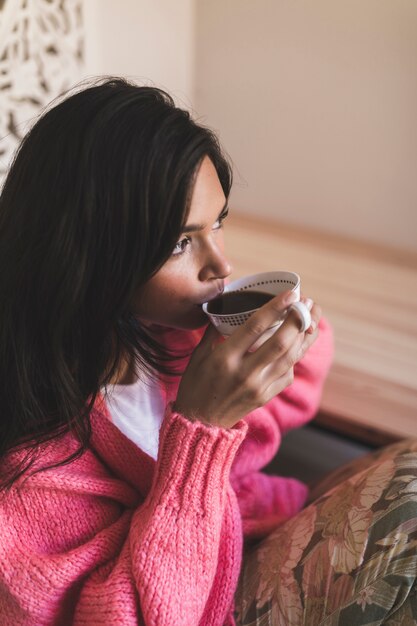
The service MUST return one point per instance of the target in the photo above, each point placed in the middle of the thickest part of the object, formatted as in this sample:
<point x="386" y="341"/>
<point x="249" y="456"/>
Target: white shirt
<point x="138" y="410"/>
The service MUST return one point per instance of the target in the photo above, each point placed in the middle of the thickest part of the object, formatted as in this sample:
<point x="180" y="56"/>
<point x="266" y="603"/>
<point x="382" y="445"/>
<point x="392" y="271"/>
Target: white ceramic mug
<point x="271" y="283"/>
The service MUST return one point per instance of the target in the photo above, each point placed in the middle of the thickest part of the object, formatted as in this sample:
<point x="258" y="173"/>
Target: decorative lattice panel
<point x="41" y="55"/>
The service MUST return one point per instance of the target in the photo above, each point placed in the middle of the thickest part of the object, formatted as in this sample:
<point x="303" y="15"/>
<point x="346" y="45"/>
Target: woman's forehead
<point x="207" y="199"/>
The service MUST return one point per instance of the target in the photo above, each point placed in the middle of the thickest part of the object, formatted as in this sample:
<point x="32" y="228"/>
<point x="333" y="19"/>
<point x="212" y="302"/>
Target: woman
<point x="132" y="437"/>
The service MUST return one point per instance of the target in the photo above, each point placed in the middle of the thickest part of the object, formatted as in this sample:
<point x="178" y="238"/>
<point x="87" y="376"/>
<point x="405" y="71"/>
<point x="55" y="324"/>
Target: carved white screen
<point x="41" y="55"/>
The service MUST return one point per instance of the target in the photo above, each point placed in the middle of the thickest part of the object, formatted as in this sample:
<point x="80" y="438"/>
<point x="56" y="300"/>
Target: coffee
<point x="233" y="302"/>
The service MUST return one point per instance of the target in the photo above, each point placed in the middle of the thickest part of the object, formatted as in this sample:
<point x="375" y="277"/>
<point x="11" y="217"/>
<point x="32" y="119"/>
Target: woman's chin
<point x="196" y="319"/>
<point x="199" y="319"/>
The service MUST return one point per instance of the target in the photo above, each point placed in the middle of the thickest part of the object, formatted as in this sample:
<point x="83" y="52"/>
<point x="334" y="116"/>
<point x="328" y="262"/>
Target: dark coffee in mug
<point x="233" y="302"/>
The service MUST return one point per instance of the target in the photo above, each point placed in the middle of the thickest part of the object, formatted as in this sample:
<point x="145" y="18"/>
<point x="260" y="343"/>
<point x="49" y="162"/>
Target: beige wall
<point x="316" y="102"/>
<point x="150" y="41"/>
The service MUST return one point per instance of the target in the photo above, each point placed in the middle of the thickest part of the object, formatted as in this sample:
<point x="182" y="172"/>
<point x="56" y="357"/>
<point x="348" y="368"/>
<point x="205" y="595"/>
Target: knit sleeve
<point x="182" y="520"/>
<point x="79" y="547"/>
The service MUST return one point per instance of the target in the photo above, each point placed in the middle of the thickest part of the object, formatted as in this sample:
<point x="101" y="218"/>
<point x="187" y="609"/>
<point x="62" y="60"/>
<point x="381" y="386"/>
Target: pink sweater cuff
<point x="194" y="459"/>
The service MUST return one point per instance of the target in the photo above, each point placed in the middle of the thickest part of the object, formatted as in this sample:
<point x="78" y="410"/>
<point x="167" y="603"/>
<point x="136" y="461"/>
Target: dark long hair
<point x="92" y="207"/>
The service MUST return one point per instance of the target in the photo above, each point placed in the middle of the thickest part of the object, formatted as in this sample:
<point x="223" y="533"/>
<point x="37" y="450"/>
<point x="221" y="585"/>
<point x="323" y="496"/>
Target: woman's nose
<point x="216" y="264"/>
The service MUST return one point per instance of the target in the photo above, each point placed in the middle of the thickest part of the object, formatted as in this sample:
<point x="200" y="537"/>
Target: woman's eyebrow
<point x="192" y="228"/>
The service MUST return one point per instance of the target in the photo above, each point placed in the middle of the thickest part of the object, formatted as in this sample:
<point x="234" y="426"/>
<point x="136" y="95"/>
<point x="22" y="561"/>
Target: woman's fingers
<point x="273" y="311"/>
<point x="310" y="335"/>
<point x="284" y="348"/>
<point x="223" y="381"/>
<point x="279" y="383"/>
<point x="286" y="338"/>
<point x="287" y="344"/>
<point x="279" y="374"/>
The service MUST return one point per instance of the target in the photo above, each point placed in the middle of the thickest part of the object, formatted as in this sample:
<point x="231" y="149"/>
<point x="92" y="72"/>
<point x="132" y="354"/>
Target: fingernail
<point x="309" y="303"/>
<point x="290" y="297"/>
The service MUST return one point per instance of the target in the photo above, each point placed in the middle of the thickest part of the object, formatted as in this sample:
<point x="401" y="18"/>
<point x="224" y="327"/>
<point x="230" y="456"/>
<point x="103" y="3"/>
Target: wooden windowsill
<point x="369" y="294"/>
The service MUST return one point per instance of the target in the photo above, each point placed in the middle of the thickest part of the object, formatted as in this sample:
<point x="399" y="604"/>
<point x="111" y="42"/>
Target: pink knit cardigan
<point x="117" y="538"/>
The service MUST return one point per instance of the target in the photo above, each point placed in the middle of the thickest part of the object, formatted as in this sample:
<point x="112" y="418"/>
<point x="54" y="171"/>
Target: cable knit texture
<point x="115" y="538"/>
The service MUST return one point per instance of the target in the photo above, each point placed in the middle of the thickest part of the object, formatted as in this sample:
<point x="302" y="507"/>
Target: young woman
<point x="132" y="436"/>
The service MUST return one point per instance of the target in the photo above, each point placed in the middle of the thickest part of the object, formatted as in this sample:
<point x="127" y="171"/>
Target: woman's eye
<point x="181" y="246"/>
<point x="220" y="221"/>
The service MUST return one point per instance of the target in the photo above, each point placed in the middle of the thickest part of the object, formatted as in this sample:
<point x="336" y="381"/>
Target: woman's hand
<point x="224" y="382"/>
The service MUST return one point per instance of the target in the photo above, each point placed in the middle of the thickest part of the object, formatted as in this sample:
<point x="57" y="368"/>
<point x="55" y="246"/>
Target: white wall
<point x="316" y="102"/>
<point x="150" y="41"/>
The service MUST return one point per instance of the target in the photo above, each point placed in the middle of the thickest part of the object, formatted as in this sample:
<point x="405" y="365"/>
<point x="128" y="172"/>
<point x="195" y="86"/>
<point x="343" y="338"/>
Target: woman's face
<point x="196" y="270"/>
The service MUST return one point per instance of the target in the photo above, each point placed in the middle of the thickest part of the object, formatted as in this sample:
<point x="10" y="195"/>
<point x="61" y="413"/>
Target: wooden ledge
<point x="369" y="294"/>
